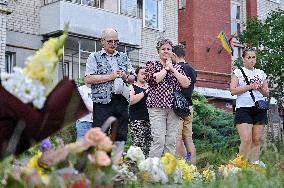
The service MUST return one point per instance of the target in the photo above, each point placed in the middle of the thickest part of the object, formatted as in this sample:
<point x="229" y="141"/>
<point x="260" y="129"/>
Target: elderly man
<point x="104" y="71"/>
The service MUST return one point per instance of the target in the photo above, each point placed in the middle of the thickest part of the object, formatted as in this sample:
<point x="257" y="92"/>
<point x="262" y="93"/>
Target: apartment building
<point x="264" y="7"/>
<point x="140" y="23"/>
<point x="200" y="22"/>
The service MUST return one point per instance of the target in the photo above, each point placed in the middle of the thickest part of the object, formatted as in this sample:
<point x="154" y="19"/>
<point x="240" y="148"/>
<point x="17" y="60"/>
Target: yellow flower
<point x="146" y="177"/>
<point x="169" y="162"/>
<point x="240" y="162"/>
<point x="208" y="175"/>
<point x="33" y="165"/>
<point x="187" y="171"/>
<point x="42" y="65"/>
<point x="221" y="168"/>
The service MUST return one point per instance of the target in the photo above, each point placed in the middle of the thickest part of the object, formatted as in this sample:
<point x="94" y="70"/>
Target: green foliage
<point x="68" y="134"/>
<point x="268" y="37"/>
<point x="213" y="128"/>
<point x="80" y="81"/>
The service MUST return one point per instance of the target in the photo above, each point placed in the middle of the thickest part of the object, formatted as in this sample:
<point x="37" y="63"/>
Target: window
<point x="237" y="52"/>
<point x="10" y="61"/>
<point x="66" y="69"/>
<point x="151" y="16"/>
<point x="93" y="3"/>
<point x="129" y="7"/>
<point x="140" y="9"/>
<point x="235" y="18"/>
<point x="181" y="4"/>
<point x="237" y="56"/>
<point x="235" y="11"/>
<point x="183" y="43"/>
<point x="4" y="2"/>
<point x="133" y="8"/>
<point x="276" y="1"/>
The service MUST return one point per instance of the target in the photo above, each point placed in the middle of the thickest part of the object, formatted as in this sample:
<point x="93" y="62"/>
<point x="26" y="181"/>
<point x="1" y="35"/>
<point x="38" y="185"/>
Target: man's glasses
<point x="251" y="57"/>
<point x="112" y="41"/>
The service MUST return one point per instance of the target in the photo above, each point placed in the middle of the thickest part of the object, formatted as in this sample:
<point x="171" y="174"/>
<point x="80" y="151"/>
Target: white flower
<point x="235" y="170"/>
<point x="230" y="171"/>
<point x="25" y="89"/>
<point x="197" y="177"/>
<point x="135" y="154"/>
<point x="123" y="171"/>
<point x="154" y="166"/>
<point x="145" y="165"/>
<point x="177" y="175"/>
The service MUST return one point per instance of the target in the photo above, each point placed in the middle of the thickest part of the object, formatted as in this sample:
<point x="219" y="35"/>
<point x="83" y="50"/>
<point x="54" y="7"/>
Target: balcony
<point x="88" y="21"/>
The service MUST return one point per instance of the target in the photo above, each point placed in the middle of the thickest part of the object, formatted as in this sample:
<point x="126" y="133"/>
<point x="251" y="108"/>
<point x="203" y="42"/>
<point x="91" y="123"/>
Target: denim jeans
<point x="82" y="128"/>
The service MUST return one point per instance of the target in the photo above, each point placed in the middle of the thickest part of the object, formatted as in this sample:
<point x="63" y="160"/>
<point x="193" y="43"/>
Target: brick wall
<point x="199" y="26"/>
<point x="3" y="20"/>
<point x="170" y="30"/>
<point x="251" y="8"/>
<point x="227" y="105"/>
<point x="25" y="16"/>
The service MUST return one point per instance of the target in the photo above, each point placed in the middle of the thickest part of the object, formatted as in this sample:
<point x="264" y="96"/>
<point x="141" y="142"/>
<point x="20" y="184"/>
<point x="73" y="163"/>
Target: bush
<point x="213" y="128"/>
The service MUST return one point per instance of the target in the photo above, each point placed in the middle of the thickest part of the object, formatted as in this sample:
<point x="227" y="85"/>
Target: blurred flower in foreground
<point x="135" y="154"/>
<point x="35" y="81"/>
<point x="240" y="162"/>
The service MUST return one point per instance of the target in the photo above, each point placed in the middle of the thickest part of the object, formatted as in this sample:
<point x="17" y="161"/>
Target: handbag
<point x="120" y="87"/>
<point x="180" y="105"/>
<point x="259" y="105"/>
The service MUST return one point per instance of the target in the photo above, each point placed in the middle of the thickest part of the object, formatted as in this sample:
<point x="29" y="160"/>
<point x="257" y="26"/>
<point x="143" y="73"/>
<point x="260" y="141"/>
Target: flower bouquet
<point x="238" y="165"/>
<point x="31" y="108"/>
<point x="86" y="162"/>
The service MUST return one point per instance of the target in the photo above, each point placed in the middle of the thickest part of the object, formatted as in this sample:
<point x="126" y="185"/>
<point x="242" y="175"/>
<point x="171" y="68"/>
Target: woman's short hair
<point x="179" y="50"/>
<point x="162" y="42"/>
<point x="248" y="49"/>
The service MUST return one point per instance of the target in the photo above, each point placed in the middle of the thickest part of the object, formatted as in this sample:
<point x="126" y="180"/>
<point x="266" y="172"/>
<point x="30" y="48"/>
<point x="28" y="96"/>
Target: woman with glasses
<point x="164" y="78"/>
<point x="140" y="128"/>
<point x="248" y="119"/>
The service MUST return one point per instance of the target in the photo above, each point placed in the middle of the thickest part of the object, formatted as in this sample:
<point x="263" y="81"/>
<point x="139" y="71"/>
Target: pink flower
<point x="100" y="158"/>
<point x="105" y="144"/>
<point x="94" y="135"/>
<point x="92" y="158"/>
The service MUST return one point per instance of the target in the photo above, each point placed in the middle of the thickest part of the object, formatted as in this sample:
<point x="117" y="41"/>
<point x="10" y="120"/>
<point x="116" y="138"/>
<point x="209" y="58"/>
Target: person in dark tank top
<point x="140" y="128"/>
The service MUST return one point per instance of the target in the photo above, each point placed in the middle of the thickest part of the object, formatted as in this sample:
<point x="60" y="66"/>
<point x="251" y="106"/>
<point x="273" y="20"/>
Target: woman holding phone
<point x="249" y="120"/>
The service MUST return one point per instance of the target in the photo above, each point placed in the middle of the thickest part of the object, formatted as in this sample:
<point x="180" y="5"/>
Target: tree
<point x="268" y="37"/>
<point x="213" y="128"/>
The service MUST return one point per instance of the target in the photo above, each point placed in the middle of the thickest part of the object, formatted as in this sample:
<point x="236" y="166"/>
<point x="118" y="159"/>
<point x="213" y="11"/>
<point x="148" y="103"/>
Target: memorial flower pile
<point x="239" y="164"/>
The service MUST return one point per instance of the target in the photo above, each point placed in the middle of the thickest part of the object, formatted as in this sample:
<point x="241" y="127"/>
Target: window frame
<point x="159" y="16"/>
<point x="134" y="16"/>
<point x="182" y="4"/>
<point x="66" y="67"/>
<point x="11" y="61"/>
<point x="275" y="1"/>
<point x="236" y="20"/>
